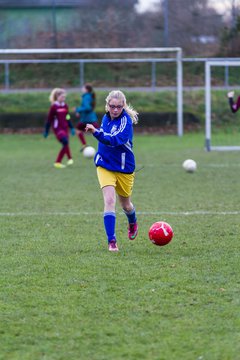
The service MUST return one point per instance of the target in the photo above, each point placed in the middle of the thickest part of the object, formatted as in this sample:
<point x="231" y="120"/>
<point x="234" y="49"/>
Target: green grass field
<point x="63" y="295"/>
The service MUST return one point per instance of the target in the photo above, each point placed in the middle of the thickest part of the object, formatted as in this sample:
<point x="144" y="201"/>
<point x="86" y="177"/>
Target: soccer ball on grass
<point x="190" y="165"/>
<point x="160" y="233"/>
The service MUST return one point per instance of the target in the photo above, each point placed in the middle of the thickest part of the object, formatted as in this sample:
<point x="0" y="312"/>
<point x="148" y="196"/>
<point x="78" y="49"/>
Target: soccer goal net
<point x="221" y="130"/>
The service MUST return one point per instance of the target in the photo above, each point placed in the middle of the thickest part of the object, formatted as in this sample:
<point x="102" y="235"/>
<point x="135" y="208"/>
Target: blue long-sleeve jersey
<point x="115" y="144"/>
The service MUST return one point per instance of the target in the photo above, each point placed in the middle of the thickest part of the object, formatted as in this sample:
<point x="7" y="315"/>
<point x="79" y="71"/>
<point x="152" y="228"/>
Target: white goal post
<point x="176" y="50"/>
<point x="208" y="126"/>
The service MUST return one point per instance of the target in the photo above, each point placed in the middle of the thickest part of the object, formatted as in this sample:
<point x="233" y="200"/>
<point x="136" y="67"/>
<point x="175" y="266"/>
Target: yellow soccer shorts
<point x="123" y="183"/>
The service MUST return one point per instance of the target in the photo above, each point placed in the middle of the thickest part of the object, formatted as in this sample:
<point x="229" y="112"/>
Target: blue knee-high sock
<point x="109" y="219"/>
<point x="131" y="215"/>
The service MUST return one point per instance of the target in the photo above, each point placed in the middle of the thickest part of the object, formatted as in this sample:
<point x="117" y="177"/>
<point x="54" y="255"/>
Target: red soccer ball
<point x="160" y="233"/>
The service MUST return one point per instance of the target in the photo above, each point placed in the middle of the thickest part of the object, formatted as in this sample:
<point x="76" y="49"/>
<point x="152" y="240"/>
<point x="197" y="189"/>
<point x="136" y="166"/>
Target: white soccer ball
<point x="190" y="165"/>
<point x="89" y="152"/>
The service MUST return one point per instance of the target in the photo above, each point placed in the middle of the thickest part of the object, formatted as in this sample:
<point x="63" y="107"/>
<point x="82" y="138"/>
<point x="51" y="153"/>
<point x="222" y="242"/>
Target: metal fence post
<point x="153" y="76"/>
<point x="6" y="77"/>
<point x="226" y="79"/>
<point x="81" y="64"/>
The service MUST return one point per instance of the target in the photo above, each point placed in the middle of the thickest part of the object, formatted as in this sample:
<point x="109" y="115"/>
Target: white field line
<point x="202" y="165"/>
<point x="139" y="213"/>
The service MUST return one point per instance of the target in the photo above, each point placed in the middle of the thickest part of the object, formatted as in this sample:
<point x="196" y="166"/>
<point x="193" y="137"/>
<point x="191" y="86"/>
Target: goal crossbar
<point x="208" y="66"/>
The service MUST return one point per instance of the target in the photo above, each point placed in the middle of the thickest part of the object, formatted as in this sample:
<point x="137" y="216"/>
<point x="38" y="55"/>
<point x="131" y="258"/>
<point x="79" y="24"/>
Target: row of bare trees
<point x="194" y="25"/>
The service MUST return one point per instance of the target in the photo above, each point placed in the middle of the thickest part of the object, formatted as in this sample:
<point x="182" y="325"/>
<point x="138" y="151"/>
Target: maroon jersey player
<point x="59" y="120"/>
<point x="234" y="106"/>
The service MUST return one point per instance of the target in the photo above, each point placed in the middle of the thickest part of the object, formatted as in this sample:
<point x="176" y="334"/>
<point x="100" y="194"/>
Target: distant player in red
<point x="59" y="120"/>
<point x="233" y="106"/>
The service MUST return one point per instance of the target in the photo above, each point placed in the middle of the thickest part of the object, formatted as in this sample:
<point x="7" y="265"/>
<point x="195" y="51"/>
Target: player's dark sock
<point x="61" y="155"/>
<point x="109" y="219"/>
<point x="68" y="152"/>
<point x="131" y="215"/>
